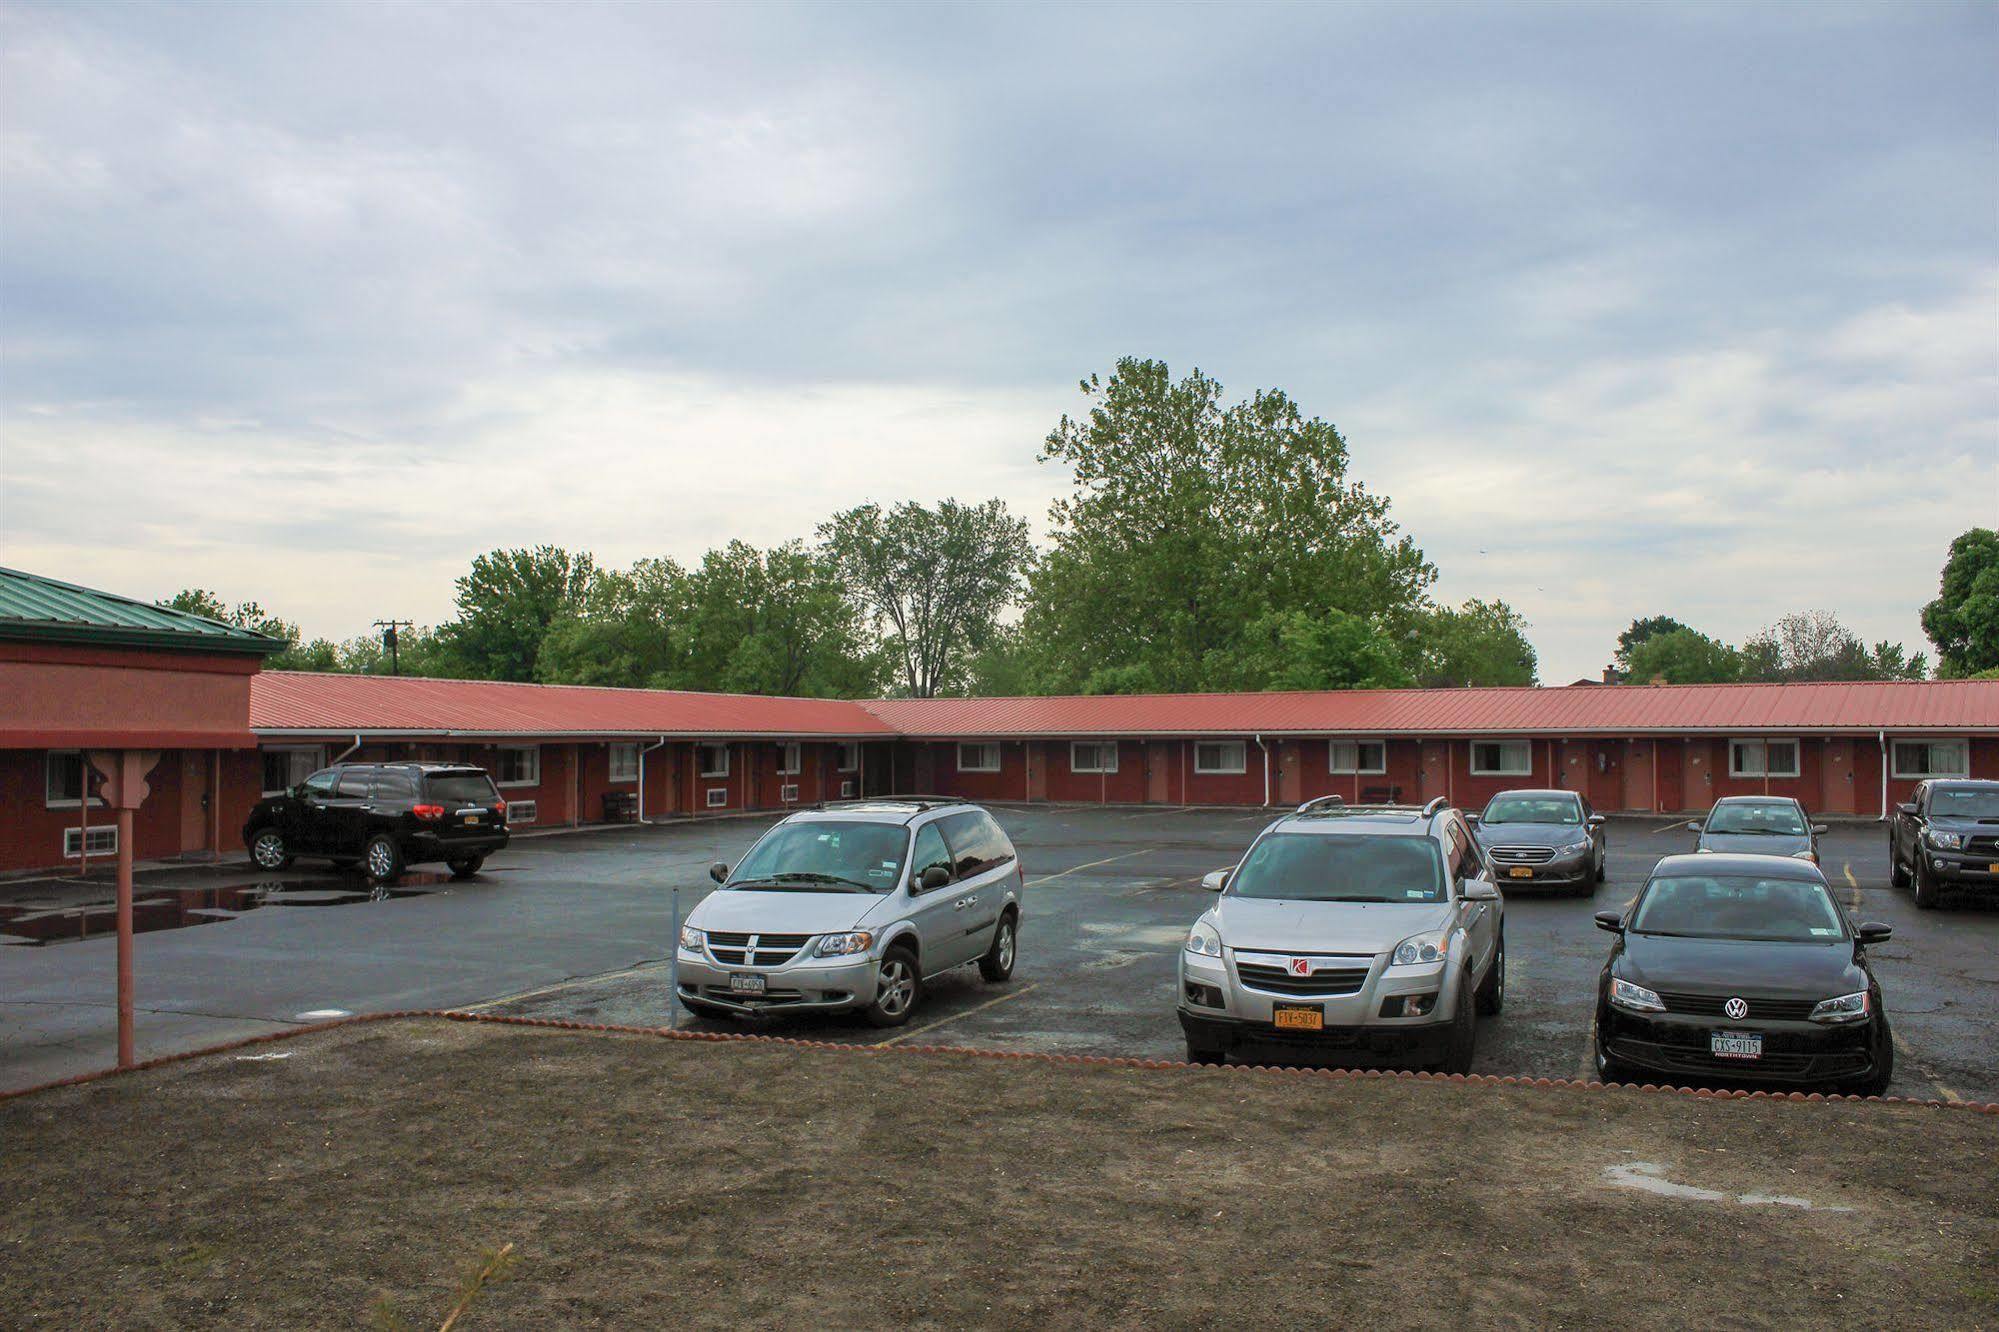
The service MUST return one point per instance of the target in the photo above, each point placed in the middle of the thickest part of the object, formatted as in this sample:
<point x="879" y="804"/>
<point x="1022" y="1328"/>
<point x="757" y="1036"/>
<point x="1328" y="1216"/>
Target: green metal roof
<point x="42" y="610"/>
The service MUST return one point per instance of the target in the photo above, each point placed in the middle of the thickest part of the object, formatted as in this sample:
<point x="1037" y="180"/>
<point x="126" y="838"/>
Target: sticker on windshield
<point x="881" y="874"/>
<point x="1820" y="929"/>
<point x="1419" y="894"/>
<point x="888" y="864"/>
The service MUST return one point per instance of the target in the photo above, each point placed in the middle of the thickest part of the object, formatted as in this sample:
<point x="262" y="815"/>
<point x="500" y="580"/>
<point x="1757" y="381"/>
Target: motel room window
<point x="1501" y="758"/>
<point x="1357" y="756"/>
<point x="789" y="761"/>
<point x="850" y="758"/>
<point x="978" y="758"/>
<point x="1762" y="758"/>
<point x="520" y="765"/>
<point x="62" y="780"/>
<point x="1093" y="756"/>
<point x="624" y="763"/>
<point x="1932" y="758"/>
<point x="1218" y="756"/>
<point x="290" y="765"/>
<point x="714" y="760"/>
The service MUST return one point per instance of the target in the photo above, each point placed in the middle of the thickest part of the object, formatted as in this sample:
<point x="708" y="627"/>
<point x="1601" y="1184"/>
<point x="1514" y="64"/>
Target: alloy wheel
<point x="1006" y="945"/>
<point x="269" y="852"/>
<point x="380" y="862"/>
<point x="898" y="986"/>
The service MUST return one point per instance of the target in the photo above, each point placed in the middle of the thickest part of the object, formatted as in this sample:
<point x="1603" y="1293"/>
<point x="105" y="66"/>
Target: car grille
<point x="767" y="997"/>
<point x="755" y="950"/>
<point x="1764" y="1010"/>
<point x="1521" y="855"/>
<point x="1984" y="846"/>
<point x="1277" y="980"/>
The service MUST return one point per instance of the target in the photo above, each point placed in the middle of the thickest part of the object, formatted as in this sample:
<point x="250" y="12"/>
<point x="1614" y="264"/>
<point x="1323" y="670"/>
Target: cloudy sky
<point x="1629" y="309"/>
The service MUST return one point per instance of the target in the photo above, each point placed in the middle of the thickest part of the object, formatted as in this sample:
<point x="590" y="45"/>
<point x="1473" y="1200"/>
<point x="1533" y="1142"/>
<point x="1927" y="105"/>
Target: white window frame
<point x="1526" y="751"/>
<point x="533" y="765"/>
<point x="986" y="749"/>
<point x="628" y="771"/>
<point x="523" y="811"/>
<point x="1241" y="766"/>
<point x="701" y="763"/>
<point x="846" y="790"/>
<point x="1962" y="746"/>
<point x="850" y="757"/>
<point x="1333" y="766"/>
<point x="790" y="759"/>
<point x="102" y="838"/>
<point x="83" y="778"/>
<point x="717" y="797"/>
<point x="788" y="794"/>
<point x="1762" y="769"/>
<point x="318" y="753"/>
<point x="1100" y="746"/>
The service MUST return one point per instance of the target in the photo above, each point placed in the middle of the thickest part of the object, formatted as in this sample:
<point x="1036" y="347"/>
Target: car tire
<point x="270" y="851"/>
<point x="1204" y="1054"/>
<point x="1491" y="994"/>
<point x="1927" y="891"/>
<point x="466" y="868"/>
<point x="1600" y="867"/>
<point x="1463" y="1041"/>
<point x="1898" y="873"/>
<point x="382" y="858"/>
<point x="997" y="964"/>
<point x="1877" y="1082"/>
<point x="898" y="987"/>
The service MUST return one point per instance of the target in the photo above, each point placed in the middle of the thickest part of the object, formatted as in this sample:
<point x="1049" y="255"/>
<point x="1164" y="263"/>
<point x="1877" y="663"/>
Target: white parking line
<point x="980" y="1008"/>
<point x="1075" y="869"/>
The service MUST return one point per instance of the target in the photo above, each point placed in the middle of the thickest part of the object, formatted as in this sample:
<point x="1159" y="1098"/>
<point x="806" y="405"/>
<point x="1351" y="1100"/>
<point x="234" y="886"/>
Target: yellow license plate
<point x="1520" y="872"/>
<point x="1300" y="1019"/>
<point x="1992" y="869"/>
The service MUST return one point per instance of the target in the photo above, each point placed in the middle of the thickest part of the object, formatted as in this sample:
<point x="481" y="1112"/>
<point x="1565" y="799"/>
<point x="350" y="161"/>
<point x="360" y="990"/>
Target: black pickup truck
<point x="1946" y="837"/>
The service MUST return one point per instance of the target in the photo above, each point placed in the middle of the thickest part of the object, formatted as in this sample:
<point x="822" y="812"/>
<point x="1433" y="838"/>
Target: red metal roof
<point x="300" y="701"/>
<point x="304" y="702"/>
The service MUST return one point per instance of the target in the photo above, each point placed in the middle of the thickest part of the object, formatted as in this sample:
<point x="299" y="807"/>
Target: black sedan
<point x="1741" y="968"/>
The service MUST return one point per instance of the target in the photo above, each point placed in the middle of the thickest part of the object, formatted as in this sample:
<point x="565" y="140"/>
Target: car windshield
<point x="464" y="788"/>
<point x="1698" y="906"/>
<point x="1533" y="809"/>
<point x="1306" y="867"/>
<point x="825" y="857"/>
<point x="1963" y="803"/>
<point x="1779" y="818"/>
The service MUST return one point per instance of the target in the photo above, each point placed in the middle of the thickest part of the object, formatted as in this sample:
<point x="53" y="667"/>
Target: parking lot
<point x="576" y="926"/>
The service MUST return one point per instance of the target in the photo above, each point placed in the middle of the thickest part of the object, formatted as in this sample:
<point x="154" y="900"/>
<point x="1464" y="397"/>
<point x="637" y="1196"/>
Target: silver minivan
<point x="850" y="908"/>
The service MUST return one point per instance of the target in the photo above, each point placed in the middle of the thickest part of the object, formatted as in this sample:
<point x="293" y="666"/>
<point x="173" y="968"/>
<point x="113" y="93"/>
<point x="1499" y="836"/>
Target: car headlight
<point x="1583" y="844"/>
<point x="844" y="945"/>
<point x="1634" y="998"/>
<point x="1948" y="841"/>
<point x="691" y="939"/>
<point x="1421" y="950"/>
<point x="1204" y="939"/>
<point x="1847" y="1008"/>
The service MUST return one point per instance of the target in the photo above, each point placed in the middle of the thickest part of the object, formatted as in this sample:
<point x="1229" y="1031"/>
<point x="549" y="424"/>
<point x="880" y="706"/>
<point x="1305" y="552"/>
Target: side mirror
<point x="1471" y="818"/>
<point x="1819" y="830"/>
<point x="719" y="872"/>
<point x="1480" y="890"/>
<point x="1215" y="881"/>
<point x="1597" y="820"/>
<point x="934" y="877"/>
<point x="1874" y="932"/>
<point x="1694" y="825"/>
<point x="1613" y="921"/>
<point x="1908" y="809"/>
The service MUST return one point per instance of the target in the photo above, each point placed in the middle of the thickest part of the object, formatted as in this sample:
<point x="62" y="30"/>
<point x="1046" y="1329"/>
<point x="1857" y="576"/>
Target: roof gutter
<point x="1882" y="739"/>
<point x="1266" y="770"/>
<point x="351" y="748"/>
<point x="642" y="776"/>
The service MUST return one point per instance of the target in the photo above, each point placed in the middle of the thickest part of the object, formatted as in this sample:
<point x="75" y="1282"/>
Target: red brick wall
<point x="1126" y="786"/>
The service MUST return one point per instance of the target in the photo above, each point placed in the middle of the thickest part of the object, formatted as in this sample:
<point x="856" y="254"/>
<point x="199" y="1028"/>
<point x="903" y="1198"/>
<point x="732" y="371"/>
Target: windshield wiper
<point x="808" y="876"/>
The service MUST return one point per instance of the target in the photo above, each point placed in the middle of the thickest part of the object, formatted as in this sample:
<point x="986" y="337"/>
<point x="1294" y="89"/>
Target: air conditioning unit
<point x="521" y="811"/>
<point x="788" y="794"/>
<point x="718" y="796"/>
<point x="101" y="840"/>
<point x="846" y="790"/>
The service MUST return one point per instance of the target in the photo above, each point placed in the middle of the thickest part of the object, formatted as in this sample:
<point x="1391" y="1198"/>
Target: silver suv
<point x="851" y="906"/>
<point x="1370" y="930"/>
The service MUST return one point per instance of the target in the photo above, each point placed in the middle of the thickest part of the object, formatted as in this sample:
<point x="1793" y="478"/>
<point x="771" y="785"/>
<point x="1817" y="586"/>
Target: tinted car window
<point x="463" y="788"/>
<point x="321" y="783"/>
<point x="1755" y="817"/>
<point x="930" y="850"/>
<point x="393" y="785"/>
<point x="809" y="855"/>
<point x="1699" y="906"/>
<point x="977" y="842"/>
<point x="354" y="783"/>
<point x="1304" y="867"/>
<point x="1946" y="803"/>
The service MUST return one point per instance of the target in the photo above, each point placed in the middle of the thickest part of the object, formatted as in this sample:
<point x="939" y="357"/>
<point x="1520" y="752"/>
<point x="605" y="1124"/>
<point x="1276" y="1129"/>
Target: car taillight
<point x="429" y="813"/>
<point x="500" y="809"/>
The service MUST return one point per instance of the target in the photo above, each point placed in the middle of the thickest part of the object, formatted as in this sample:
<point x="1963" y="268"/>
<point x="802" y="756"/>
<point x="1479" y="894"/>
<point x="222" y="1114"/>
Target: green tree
<point x="1479" y="643"/>
<point x="1191" y="520"/>
<point x="1639" y="632"/>
<point x="1296" y="650"/>
<point x="775" y="622"/>
<point x="297" y="654"/>
<point x="1681" y="656"/>
<point x="1814" y="645"/>
<point x="934" y="581"/>
<point x="634" y="630"/>
<point x="508" y="605"/>
<point x="1963" y="621"/>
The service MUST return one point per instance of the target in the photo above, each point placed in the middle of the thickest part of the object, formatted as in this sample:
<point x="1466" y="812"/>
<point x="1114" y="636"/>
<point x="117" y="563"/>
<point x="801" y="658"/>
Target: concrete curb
<point x="1099" y="1061"/>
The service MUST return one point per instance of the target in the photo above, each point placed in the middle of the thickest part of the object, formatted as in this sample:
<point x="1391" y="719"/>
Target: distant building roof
<point x="38" y="609"/>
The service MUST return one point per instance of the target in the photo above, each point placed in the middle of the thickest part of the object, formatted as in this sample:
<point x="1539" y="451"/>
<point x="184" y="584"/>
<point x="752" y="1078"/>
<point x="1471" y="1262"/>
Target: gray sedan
<point x="1542" y="839"/>
<point x="1759" y="826"/>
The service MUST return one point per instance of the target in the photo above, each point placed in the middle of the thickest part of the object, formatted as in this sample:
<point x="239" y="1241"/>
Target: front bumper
<point x="805" y="985"/>
<point x="1564" y="871"/>
<point x="1246" y="1015"/>
<point x="1420" y="1042"/>
<point x="1968" y="868"/>
<point x="1794" y="1053"/>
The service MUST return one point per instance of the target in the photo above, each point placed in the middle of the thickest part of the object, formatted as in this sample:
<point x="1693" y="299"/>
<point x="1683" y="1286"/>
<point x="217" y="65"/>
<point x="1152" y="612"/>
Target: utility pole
<point x="388" y="628"/>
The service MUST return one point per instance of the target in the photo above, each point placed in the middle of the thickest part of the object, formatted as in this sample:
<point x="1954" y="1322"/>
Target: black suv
<point x="383" y="816"/>
<point x="1947" y="836"/>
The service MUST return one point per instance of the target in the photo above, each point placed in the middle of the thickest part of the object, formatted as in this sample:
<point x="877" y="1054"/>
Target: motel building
<point x="91" y="682"/>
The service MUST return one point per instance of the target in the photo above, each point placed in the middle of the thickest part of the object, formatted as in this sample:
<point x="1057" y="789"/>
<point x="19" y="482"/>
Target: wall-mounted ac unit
<point x="788" y="794"/>
<point x="718" y="796"/>
<point x="103" y="840"/>
<point x="846" y="790"/>
<point x="521" y="811"/>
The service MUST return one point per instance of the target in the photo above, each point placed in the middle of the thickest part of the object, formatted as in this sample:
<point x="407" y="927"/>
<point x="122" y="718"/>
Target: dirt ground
<point x="352" y="1180"/>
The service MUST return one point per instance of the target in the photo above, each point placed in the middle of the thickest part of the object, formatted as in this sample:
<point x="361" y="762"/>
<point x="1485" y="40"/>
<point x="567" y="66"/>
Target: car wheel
<point x="1202" y="1054"/>
<point x="1898" y="873"/>
<point x="466" y="868"/>
<point x="897" y="988"/>
<point x="1600" y="867"/>
<point x="1926" y="885"/>
<point x="270" y="851"/>
<point x="1492" y="990"/>
<point x="997" y="964"/>
<point x="1463" y="1042"/>
<point x="383" y="858"/>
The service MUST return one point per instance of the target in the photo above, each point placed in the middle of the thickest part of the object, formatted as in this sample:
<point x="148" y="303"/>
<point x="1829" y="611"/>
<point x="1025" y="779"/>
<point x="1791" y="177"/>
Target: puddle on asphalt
<point x="156" y="909"/>
<point x="1650" y="1177"/>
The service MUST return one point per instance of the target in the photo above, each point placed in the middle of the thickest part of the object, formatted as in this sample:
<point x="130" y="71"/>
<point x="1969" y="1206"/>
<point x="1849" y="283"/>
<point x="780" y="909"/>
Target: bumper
<point x="1564" y="871"/>
<point x="828" y="986"/>
<point x="429" y="846"/>
<point x="1976" y="870"/>
<point x="1227" y="1035"/>
<point x="1794" y="1053"/>
<point x="1246" y="1016"/>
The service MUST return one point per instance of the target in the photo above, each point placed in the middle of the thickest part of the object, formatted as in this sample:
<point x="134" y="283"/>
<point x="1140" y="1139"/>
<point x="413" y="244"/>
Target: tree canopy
<point x="1963" y="621"/>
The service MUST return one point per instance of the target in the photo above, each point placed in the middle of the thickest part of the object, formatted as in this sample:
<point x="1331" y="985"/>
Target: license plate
<point x="742" y="982"/>
<point x="1735" y="1045"/>
<point x="1520" y="872"/>
<point x="1992" y="869"/>
<point x="1299" y="1017"/>
<point x="471" y="818"/>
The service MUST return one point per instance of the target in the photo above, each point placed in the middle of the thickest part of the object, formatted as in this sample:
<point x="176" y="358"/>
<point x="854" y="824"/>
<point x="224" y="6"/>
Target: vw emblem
<point x="1301" y="966"/>
<point x="1736" y="1008"/>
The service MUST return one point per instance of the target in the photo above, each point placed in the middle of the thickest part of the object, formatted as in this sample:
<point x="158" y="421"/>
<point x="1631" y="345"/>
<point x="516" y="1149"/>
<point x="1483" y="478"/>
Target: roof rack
<point x="1321" y="802"/>
<point x="922" y="802"/>
<point x="1328" y="806"/>
<point x="1437" y="805"/>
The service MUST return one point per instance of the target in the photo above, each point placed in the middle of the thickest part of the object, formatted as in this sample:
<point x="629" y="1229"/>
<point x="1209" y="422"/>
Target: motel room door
<point x="1837" y="777"/>
<point x="1434" y="776"/>
<point x="1158" y="772"/>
